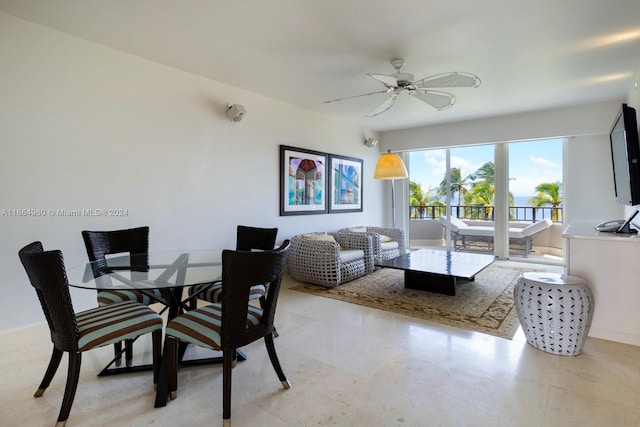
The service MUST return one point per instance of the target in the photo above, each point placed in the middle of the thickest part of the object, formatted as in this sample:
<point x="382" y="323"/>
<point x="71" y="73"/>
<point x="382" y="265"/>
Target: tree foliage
<point x="478" y="190"/>
<point x="549" y="193"/>
<point x="420" y="198"/>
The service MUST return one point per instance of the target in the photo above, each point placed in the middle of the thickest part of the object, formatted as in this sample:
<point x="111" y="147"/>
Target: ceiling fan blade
<point x="388" y="81"/>
<point x="357" y="96"/>
<point x="454" y="79"/>
<point x="438" y="100"/>
<point x="388" y="103"/>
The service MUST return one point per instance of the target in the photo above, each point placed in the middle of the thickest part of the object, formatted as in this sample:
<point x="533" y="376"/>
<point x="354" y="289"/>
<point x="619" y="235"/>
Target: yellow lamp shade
<point x="390" y="166"/>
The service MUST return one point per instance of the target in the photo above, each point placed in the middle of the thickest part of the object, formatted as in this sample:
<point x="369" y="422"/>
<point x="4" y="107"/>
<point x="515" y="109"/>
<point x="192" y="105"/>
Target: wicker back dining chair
<point x="75" y="333"/>
<point x="247" y="239"/>
<point x="134" y="241"/>
<point x="232" y="323"/>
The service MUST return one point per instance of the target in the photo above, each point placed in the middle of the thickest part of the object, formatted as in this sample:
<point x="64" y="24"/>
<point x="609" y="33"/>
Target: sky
<point x="530" y="163"/>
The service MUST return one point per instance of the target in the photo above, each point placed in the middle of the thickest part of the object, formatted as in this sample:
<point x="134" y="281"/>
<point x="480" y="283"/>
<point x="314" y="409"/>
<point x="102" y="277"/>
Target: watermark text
<point x="63" y="212"/>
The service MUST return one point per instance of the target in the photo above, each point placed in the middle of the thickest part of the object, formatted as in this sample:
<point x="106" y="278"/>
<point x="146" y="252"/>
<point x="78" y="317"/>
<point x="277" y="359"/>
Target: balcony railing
<point x="485" y="213"/>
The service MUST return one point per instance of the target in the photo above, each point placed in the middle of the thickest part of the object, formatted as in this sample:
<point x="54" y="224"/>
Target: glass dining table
<point x="168" y="271"/>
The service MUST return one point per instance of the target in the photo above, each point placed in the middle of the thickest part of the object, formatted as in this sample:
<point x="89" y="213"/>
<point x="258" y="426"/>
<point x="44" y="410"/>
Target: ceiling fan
<point x="398" y="83"/>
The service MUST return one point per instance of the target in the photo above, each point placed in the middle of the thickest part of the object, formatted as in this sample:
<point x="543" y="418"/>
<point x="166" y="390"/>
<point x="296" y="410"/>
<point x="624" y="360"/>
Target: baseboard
<point x="625" y="338"/>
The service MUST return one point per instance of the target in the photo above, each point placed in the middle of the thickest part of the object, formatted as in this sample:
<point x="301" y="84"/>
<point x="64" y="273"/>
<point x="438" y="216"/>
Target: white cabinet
<point x="610" y="263"/>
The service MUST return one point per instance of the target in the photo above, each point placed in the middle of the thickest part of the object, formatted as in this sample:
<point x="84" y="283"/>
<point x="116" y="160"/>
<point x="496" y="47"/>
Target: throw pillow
<point x="321" y="236"/>
<point x="357" y="229"/>
<point x="385" y="239"/>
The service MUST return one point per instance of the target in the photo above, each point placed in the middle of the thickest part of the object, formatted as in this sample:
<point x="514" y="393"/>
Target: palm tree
<point x="483" y="190"/>
<point x="420" y="198"/>
<point x="416" y="198"/>
<point x="549" y="193"/>
<point x="458" y="185"/>
<point x="477" y="189"/>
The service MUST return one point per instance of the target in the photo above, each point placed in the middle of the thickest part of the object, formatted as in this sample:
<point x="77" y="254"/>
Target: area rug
<point x="483" y="305"/>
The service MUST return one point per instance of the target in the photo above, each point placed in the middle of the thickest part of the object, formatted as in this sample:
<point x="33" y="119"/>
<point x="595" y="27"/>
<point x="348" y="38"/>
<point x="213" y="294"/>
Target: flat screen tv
<point x="625" y="155"/>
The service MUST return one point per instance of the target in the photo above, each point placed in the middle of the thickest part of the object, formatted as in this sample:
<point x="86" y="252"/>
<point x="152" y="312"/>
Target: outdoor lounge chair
<point x="461" y="231"/>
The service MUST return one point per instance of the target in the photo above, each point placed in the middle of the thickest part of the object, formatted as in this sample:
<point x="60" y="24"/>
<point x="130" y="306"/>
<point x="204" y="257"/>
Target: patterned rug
<point x="484" y="305"/>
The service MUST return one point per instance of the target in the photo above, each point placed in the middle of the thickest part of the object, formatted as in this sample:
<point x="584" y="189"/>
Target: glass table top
<point x="153" y="270"/>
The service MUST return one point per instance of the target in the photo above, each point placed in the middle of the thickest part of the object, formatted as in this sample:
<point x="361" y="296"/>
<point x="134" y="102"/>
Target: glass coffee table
<point x="436" y="270"/>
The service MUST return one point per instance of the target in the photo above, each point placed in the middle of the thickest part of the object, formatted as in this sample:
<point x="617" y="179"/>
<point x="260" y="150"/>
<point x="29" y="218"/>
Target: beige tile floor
<point x="349" y="366"/>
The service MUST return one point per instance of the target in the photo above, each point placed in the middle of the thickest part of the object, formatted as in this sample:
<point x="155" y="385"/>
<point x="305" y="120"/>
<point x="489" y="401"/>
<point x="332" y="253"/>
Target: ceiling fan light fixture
<point x="398" y="83"/>
<point x="404" y="79"/>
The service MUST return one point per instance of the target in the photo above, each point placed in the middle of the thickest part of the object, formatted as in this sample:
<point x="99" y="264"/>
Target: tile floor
<point x="349" y="366"/>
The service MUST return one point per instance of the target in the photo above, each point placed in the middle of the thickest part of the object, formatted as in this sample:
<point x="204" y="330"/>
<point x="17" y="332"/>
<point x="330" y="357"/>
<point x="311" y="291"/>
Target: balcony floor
<point x="539" y="254"/>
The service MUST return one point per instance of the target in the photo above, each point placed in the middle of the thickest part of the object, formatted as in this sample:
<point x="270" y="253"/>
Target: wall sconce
<point x="235" y="112"/>
<point x="370" y="142"/>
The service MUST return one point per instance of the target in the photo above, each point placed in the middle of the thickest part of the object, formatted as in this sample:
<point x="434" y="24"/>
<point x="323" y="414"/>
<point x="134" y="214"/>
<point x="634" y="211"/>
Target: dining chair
<point x="133" y="241"/>
<point x="247" y="238"/>
<point x="232" y="323"/>
<point x="76" y="333"/>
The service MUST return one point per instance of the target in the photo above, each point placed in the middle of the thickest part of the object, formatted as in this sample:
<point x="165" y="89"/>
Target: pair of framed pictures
<point x="312" y="182"/>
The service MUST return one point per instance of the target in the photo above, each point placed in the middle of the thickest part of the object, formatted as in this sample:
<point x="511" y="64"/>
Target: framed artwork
<point x="345" y="184"/>
<point x="303" y="182"/>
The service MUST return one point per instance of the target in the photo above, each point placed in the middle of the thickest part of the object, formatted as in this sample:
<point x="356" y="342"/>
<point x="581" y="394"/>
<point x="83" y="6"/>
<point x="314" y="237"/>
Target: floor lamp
<point x="390" y="166"/>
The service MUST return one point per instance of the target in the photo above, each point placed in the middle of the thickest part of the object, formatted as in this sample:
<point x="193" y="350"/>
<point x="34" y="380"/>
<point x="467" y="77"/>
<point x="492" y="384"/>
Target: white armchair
<point x="329" y="259"/>
<point x="387" y="242"/>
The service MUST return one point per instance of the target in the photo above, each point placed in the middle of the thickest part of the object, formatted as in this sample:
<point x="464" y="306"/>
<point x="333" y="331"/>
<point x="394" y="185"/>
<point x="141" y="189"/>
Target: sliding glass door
<point x="501" y="190"/>
<point x="459" y="181"/>
<point x="535" y="211"/>
<point x="472" y="186"/>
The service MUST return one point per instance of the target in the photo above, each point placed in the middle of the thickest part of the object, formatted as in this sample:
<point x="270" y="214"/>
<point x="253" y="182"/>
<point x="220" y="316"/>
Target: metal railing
<point x="486" y="213"/>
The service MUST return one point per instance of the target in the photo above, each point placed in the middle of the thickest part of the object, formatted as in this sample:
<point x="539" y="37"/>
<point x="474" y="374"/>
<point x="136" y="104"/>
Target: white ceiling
<point x="530" y="54"/>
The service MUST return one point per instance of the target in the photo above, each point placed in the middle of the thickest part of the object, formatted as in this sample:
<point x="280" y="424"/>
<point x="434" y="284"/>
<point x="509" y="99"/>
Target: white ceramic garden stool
<point x="555" y="311"/>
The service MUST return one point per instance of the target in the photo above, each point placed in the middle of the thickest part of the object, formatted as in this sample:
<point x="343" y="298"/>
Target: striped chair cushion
<point x="212" y="292"/>
<point x="203" y="325"/>
<point x="121" y="295"/>
<point x="115" y="322"/>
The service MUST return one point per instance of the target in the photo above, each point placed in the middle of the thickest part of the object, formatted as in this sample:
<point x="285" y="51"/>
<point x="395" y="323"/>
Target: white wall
<point x="85" y="126"/>
<point x="588" y="190"/>
<point x="590" y="119"/>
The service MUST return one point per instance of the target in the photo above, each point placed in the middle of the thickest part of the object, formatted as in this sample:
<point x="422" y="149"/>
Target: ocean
<point x="527" y="214"/>
<point x="521" y="200"/>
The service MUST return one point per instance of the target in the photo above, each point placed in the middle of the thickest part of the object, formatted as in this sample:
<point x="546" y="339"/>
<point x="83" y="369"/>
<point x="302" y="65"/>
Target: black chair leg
<point x="156" y="337"/>
<point x="128" y="351"/>
<point x="75" y="360"/>
<point x="271" y="350"/>
<point x="228" y="359"/>
<point x="171" y="354"/>
<point x="117" y="352"/>
<point x="56" y="357"/>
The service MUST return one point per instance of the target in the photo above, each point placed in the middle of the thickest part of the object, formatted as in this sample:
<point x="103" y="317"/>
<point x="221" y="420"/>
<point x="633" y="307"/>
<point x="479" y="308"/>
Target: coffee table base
<point x="431" y="282"/>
